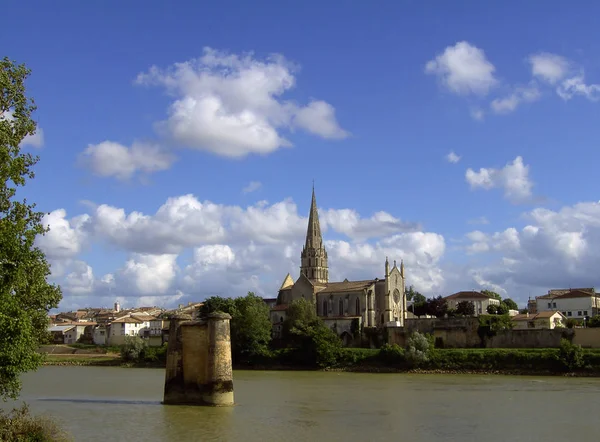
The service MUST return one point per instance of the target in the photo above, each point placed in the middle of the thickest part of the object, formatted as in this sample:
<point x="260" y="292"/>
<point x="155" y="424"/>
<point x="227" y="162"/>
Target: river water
<point x="123" y="404"/>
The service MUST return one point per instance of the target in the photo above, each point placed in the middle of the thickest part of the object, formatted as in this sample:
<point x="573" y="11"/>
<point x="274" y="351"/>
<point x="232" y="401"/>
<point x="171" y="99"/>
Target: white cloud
<point x="452" y="157"/>
<point x="148" y="274"/>
<point x="80" y="280"/>
<point x="231" y="105"/>
<point x="549" y="67"/>
<point x="110" y="159"/>
<point x="576" y="86"/>
<point x="66" y="238"/>
<point x="512" y="178"/>
<point x="350" y="223"/>
<point x="511" y="102"/>
<point x="463" y="69"/>
<point x="477" y="114"/>
<point x="556" y="249"/>
<point x="252" y="186"/>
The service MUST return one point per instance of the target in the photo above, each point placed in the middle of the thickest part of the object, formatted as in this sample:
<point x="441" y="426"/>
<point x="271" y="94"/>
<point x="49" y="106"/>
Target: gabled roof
<point x="288" y="282"/>
<point x="61" y="328"/>
<point x="469" y="295"/>
<point x="532" y="316"/>
<point x="127" y="320"/>
<point x="348" y="286"/>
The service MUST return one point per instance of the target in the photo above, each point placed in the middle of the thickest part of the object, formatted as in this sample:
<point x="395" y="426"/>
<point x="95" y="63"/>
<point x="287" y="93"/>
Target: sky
<point x="178" y="143"/>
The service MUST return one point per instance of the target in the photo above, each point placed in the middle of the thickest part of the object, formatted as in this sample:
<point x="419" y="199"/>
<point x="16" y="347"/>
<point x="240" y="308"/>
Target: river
<point x="123" y="404"/>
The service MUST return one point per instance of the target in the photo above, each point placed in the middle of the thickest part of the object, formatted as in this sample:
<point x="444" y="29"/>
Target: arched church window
<point x="357" y="306"/>
<point x="324" y="308"/>
<point x="341" y="307"/>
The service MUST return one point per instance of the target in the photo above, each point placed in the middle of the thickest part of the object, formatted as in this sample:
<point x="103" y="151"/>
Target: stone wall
<point x="463" y="333"/>
<point x="199" y="370"/>
<point x="587" y="337"/>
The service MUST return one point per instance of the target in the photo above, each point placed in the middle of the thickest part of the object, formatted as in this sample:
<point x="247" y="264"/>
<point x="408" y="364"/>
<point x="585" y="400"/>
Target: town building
<point x="344" y="305"/>
<point x="543" y="320"/>
<point x="480" y="301"/>
<point x="578" y="303"/>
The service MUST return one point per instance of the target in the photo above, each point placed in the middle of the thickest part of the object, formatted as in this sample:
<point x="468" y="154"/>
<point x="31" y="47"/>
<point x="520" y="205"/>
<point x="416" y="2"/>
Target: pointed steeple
<point x="314" y="255"/>
<point x="402" y="268"/>
<point x="313" y="233"/>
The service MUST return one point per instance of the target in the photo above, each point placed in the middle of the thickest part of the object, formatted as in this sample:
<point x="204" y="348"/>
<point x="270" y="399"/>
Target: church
<point x="376" y="303"/>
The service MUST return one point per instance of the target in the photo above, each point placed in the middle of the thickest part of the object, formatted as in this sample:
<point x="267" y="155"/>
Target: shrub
<point x="133" y="349"/>
<point x="392" y="354"/>
<point x="19" y="425"/>
<point x="570" y="355"/>
<point x="418" y="349"/>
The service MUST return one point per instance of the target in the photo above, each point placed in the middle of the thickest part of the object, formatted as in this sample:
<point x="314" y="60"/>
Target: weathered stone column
<point x="217" y="387"/>
<point x="174" y="386"/>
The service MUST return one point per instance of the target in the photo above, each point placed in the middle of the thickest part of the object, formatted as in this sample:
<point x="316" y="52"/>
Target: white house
<point x="542" y="320"/>
<point x="124" y="326"/>
<point x="572" y="303"/>
<point x="480" y="300"/>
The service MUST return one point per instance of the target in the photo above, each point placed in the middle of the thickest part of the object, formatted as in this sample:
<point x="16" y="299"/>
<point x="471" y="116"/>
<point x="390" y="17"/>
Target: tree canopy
<point x="465" y="308"/>
<point x="492" y="294"/>
<point x="25" y="295"/>
<point x="413" y="295"/>
<point x="512" y="305"/>
<point x="250" y="324"/>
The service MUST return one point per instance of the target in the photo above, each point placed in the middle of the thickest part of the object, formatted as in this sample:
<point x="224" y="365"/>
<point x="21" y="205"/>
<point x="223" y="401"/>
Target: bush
<point x="392" y="354"/>
<point x="418" y="348"/>
<point x="570" y="355"/>
<point x="19" y="425"/>
<point x="133" y="349"/>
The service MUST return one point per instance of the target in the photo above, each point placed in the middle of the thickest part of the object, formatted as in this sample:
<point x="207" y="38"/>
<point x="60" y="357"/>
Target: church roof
<point x="348" y="286"/>
<point x="288" y="282"/>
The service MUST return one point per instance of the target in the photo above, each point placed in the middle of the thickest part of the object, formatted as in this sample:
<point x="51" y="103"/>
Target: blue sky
<point x="366" y="99"/>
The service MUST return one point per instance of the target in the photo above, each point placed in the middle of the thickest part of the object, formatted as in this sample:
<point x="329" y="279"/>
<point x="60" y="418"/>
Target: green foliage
<point x="392" y="354"/>
<point x="418" y="348"/>
<point x="502" y="309"/>
<point x="413" y="295"/>
<point x="25" y="295"/>
<point x="133" y="349"/>
<point x="570" y="355"/>
<point x="314" y="342"/>
<point x="492" y="309"/>
<point x="512" y="305"/>
<point x="489" y="325"/>
<point x="250" y="324"/>
<point x="594" y="322"/>
<point x="20" y="426"/>
<point x="570" y="323"/>
<point x="419" y="308"/>
<point x="437" y="307"/>
<point x="465" y="308"/>
<point x="492" y="294"/>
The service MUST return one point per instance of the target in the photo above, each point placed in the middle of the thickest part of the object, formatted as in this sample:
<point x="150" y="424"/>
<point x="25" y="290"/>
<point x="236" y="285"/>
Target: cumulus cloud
<point x="452" y="157"/>
<point x="549" y="67"/>
<point x="233" y="249"/>
<point x="252" y="186"/>
<point x="513" y="178"/>
<point x="576" y="85"/>
<point x="232" y="105"/>
<point x="555" y="249"/>
<point x="110" y="159"/>
<point x="480" y="220"/>
<point x="463" y="69"/>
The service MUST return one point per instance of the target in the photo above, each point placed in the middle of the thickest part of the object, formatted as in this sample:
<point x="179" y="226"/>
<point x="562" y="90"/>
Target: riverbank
<point x="537" y="362"/>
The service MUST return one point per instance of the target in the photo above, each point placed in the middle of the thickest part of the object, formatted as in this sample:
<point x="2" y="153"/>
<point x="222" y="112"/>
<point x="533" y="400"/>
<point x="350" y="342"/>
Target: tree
<point x="250" y="324"/>
<point x="492" y="294"/>
<point x="502" y="309"/>
<point x="492" y="309"/>
<point x="437" y="307"/>
<point x="512" y="305"/>
<point x="465" y="308"/>
<point x="418" y="308"/>
<point x="413" y="295"/>
<point x="25" y="295"/>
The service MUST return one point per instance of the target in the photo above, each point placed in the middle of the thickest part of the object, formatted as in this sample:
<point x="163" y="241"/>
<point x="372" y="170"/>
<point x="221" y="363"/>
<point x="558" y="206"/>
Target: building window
<point x="585" y="313"/>
<point x="579" y="313"/>
<point x="554" y="304"/>
<point x="564" y="313"/>
<point x="324" y="308"/>
<point x="357" y="306"/>
<point x="341" y="307"/>
<point x="549" y="305"/>
<point x="568" y="313"/>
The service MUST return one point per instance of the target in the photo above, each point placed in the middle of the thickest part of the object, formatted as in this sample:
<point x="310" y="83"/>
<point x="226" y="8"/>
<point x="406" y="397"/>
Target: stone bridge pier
<point x="199" y="370"/>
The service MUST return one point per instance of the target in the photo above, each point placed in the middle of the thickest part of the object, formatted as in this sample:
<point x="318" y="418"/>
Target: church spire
<point x="313" y="233"/>
<point x="314" y="255"/>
